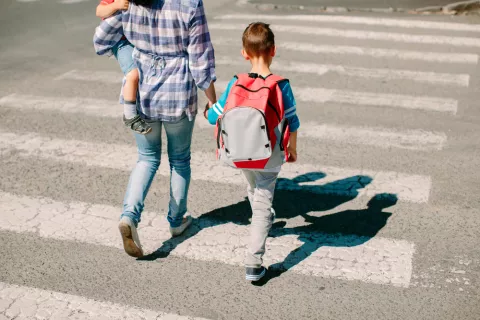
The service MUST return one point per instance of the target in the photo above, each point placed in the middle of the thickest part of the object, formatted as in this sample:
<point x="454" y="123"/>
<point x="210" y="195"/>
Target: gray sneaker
<point x="255" y="274"/>
<point x="131" y="241"/>
<point x="187" y="221"/>
<point x="137" y="125"/>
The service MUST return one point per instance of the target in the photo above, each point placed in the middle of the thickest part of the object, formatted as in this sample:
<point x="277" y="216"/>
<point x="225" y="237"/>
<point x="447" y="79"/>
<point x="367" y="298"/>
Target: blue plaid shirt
<point x="173" y="54"/>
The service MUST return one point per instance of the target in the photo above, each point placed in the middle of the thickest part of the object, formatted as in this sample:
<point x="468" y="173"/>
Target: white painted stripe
<point x="315" y="95"/>
<point x="465" y="58"/>
<point x="378" y="137"/>
<point x="19" y="302"/>
<point x="461" y="80"/>
<point x="93" y="76"/>
<point x="92" y="107"/>
<point x="386" y="138"/>
<point x="399" y="23"/>
<point x="338" y="181"/>
<point x="322" y="95"/>
<point x="348" y="257"/>
<point x="364" y="35"/>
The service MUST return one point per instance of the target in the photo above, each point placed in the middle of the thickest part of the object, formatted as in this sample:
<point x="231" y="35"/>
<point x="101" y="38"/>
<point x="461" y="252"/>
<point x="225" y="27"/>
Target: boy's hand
<point x="122" y="4"/>
<point x="292" y="147"/>
<point x="207" y="107"/>
<point x="205" y="112"/>
<point x="292" y="154"/>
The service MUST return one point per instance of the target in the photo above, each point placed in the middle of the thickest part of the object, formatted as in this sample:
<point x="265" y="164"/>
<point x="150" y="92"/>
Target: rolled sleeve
<point x="200" y="50"/>
<point x="294" y="123"/>
<point x="107" y="35"/>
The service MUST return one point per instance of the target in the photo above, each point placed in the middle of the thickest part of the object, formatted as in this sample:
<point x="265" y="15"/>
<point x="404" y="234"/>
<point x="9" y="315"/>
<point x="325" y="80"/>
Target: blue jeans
<point x="179" y="138"/>
<point x="123" y="52"/>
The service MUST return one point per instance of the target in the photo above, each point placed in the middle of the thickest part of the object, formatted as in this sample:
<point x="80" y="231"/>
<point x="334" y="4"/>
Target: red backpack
<point x="252" y="133"/>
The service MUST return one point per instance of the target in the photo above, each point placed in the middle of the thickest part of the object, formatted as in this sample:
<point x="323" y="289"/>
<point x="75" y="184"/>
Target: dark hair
<point x="143" y="3"/>
<point x="258" y="39"/>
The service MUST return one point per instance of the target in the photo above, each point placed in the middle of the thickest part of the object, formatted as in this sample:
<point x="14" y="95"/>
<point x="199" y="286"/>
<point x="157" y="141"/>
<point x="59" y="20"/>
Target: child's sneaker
<point x="137" y="125"/>
<point x="255" y="274"/>
<point x="274" y="215"/>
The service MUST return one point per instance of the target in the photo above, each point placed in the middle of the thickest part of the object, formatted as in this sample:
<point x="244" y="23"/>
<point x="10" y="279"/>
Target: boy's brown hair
<point x="258" y="39"/>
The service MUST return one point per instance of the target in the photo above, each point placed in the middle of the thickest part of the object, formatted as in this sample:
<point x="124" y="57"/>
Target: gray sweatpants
<point x="261" y="187"/>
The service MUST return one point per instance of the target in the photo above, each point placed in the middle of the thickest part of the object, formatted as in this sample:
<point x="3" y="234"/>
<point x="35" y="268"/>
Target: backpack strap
<point x="275" y="78"/>
<point x="242" y="77"/>
<point x="271" y="79"/>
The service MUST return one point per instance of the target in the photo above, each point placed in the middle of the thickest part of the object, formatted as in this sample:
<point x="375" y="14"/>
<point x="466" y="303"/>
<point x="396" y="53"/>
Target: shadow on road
<point x="297" y="198"/>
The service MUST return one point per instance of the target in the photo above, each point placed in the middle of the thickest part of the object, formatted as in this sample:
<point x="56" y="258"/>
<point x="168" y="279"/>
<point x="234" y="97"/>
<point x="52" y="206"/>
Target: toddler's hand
<point x="122" y="4"/>
<point x="292" y="154"/>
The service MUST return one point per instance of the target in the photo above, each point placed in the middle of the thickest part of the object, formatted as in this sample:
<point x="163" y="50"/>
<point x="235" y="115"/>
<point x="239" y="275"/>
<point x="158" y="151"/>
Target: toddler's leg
<point x="130" y="115"/>
<point x="130" y="94"/>
<point x="262" y="217"/>
<point x="130" y="88"/>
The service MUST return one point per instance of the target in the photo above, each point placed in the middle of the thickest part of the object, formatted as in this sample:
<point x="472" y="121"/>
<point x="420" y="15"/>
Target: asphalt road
<point x="388" y="107"/>
<point x="367" y="4"/>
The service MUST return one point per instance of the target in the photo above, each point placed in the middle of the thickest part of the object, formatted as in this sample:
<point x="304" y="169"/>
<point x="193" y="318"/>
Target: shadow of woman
<point x="293" y="197"/>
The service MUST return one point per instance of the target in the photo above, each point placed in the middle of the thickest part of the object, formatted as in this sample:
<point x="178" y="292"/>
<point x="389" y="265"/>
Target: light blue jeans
<point x="179" y="138"/>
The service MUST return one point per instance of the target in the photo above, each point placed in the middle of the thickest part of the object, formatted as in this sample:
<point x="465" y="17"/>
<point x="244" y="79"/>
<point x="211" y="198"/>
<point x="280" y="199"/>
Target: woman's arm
<point x="200" y="50"/>
<point x="106" y="10"/>
<point x="211" y="94"/>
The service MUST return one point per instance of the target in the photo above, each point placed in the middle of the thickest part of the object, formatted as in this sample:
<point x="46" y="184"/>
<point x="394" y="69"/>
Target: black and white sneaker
<point x="255" y="274"/>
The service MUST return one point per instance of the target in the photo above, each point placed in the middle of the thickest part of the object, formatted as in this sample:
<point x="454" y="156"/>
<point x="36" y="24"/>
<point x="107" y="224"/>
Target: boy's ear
<point x="274" y="51"/>
<point x="245" y="55"/>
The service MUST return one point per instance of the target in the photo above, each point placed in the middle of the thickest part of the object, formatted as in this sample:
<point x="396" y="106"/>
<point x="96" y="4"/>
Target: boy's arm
<point x="293" y="121"/>
<point x="105" y="10"/>
<point x="292" y="147"/>
<point x="214" y="111"/>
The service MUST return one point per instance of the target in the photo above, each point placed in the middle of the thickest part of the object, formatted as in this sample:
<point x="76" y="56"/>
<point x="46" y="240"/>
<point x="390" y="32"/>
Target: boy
<point x="259" y="48"/>
<point x="123" y="53"/>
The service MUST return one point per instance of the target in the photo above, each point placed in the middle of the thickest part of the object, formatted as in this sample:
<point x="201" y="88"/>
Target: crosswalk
<point x="31" y="303"/>
<point x="362" y="35"/>
<point x="365" y="258"/>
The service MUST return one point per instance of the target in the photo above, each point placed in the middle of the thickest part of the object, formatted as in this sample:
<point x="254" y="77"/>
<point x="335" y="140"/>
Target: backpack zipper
<point x="268" y="102"/>
<point x="219" y="131"/>
<point x="250" y="90"/>
<point x="274" y="109"/>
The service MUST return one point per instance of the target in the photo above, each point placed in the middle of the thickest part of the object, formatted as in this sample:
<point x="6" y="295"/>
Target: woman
<point x="174" y="56"/>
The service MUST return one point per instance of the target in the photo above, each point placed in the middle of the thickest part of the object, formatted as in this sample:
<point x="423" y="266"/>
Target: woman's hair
<point x="144" y="3"/>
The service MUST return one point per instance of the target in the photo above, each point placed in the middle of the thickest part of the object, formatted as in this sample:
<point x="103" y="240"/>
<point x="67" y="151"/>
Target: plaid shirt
<point x="173" y="54"/>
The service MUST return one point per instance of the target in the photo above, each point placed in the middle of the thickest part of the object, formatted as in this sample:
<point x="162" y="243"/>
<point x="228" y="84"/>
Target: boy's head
<point x="258" y="41"/>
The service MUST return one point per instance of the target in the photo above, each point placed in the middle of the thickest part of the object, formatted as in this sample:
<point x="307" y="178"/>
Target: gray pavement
<point x="416" y="259"/>
<point x="366" y="4"/>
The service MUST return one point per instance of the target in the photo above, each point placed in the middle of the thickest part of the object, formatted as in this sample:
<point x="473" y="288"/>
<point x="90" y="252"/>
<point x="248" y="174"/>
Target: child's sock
<point x="129" y="109"/>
